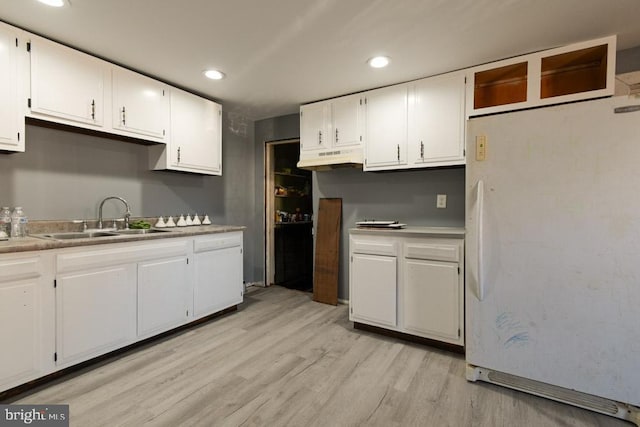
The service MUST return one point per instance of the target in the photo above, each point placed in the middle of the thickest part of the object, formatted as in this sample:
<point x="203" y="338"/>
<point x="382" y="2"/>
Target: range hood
<point x="327" y="160"/>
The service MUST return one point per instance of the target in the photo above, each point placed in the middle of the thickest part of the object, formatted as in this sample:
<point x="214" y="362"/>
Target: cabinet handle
<point x="178" y="154"/>
<point x="319" y="137"/>
<point x="398" y="152"/>
<point x="336" y="135"/>
<point x="93" y="109"/>
<point x="422" y="150"/>
<point x="124" y="117"/>
<point x="479" y="238"/>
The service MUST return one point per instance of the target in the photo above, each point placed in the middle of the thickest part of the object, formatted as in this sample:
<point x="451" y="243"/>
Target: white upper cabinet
<point x="140" y="105"/>
<point x="331" y="132"/>
<point x="565" y="74"/>
<point x="436" y="121"/>
<point x="314" y="126"/>
<point x="66" y="84"/>
<point x="196" y="133"/>
<point x="196" y="136"/>
<point x="332" y="124"/>
<point x="386" y="128"/>
<point x="11" y="107"/>
<point x="347" y="120"/>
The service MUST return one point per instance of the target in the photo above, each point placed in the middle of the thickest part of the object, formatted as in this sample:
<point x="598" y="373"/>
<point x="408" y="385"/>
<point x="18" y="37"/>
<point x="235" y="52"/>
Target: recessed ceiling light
<point x="214" y="74"/>
<point x="378" y="61"/>
<point x="54" y="3"/>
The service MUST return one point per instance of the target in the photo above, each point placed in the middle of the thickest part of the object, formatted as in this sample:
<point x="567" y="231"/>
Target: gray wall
<point x="628" y="60"/>
<point x="64" y="175"/>
<point x="408" y="197"/>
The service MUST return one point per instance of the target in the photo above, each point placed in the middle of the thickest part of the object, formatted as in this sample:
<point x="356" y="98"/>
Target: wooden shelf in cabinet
<point x="500" y="86"/>
<point x="291" y="175"/>
<point x="574" y="72"/>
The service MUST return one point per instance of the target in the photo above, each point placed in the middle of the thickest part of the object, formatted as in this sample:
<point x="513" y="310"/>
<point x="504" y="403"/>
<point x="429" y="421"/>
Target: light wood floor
<point x="283" y="359"/>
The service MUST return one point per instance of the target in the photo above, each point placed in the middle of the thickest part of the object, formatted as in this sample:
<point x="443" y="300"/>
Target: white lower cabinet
<point x="409" y="281"/>
<point x="26" y="316"/>
<point x="218" y="273"/>
<point x="373" y="288"/>
<point x="61" y="307"/>
<point x="95" y="312"/>
<point x="432" y="299"/>
<point x="163" y="294"/>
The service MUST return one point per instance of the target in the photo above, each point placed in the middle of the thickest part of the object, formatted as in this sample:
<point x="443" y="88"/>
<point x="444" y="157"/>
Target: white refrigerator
<point x="553" y="253"/>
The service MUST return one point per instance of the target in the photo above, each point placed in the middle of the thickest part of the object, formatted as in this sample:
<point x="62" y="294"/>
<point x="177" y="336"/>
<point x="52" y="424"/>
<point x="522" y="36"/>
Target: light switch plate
<point x="441" y="201"/>
<point x="481" y="147"/>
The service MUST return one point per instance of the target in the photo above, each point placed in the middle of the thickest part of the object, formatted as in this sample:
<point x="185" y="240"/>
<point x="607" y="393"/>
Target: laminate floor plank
<point x="284" y="360"/>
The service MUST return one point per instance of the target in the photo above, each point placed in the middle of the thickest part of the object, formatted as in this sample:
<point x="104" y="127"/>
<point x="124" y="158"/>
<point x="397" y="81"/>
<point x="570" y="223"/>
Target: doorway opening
<point x="288" y="217"/>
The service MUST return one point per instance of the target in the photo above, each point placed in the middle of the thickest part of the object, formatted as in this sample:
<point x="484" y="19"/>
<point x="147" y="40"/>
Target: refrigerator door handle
<point x="479" y="238"/>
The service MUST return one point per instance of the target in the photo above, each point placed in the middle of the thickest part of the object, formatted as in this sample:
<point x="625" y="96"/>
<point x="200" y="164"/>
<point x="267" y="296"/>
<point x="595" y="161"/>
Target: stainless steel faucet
<point x="127" y="214"/>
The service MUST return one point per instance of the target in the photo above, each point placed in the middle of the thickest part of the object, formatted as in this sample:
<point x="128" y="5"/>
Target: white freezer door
<point x="558" y="249"/>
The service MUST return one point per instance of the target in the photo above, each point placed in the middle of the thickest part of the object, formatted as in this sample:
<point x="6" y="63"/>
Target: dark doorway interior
<point x="292" y="222"/>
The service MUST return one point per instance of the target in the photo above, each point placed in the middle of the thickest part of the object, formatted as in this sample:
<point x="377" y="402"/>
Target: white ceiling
<point x="278" y="54"/>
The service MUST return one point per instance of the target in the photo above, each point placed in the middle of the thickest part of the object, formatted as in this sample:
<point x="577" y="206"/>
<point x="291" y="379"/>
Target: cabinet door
<point x="386" y="128"/>
<point x="140" y="104"/>
<point x="95" y="312"/>
<point x="314" y="129"/>
<point x="66" y="84"/>
<point x="11" y="113"/>
<point x="196" y="133"/>
<point x="432" y="299"/>
<point x="163" y="301"/>
<point x="436" y="120"/>
<point x="19" y="305"/>
<point x="373" y="289"/>
<point x="218" y="281"/>
<point x="348" y="120"/>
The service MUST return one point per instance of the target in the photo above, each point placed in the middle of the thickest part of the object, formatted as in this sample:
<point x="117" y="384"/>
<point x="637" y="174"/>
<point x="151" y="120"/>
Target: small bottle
<point x="18" y="223"/>
<point x="5" y="220"/>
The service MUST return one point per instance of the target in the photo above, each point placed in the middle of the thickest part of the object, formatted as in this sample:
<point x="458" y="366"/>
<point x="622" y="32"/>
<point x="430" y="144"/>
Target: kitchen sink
<point x="79" y="235"/>
<point x="93" y="234"/>
<point x="141" y="231"/>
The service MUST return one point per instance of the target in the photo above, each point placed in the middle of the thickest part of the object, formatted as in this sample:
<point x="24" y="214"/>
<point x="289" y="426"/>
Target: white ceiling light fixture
<point x="379" y="61"/>
<point x="55" y="3"/>
<point x="214" y="74"/>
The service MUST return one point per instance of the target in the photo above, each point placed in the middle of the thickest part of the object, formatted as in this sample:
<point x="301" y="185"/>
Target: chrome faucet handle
<point x="81" y="221"/>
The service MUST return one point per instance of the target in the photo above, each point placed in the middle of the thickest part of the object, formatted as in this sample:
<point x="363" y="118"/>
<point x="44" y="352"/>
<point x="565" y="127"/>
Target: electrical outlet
<point x="441" y="201"/>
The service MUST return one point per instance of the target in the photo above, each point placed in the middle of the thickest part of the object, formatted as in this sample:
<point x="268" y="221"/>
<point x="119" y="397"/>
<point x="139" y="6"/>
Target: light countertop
<point x="32" y="243"/>
<point x="450" y="232"/>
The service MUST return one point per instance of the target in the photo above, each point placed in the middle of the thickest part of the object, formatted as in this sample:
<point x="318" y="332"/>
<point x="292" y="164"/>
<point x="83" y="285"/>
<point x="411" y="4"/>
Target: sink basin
<point x="79" y="235"/>
<point x="141" y="231"/>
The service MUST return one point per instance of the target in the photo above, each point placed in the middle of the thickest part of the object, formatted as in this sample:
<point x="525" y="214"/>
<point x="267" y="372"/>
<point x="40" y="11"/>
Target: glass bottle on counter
<point x="18" y="223"/>
<point x="5" y="220"/>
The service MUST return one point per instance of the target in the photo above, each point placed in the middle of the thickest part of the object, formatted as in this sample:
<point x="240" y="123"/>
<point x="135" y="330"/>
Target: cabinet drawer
<point x="221" y="241"/>
<point x="120" y="254"/>
<point x="432" y="251"/>
<point x="363" y="246"/>
<point x="20" y="268"/>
